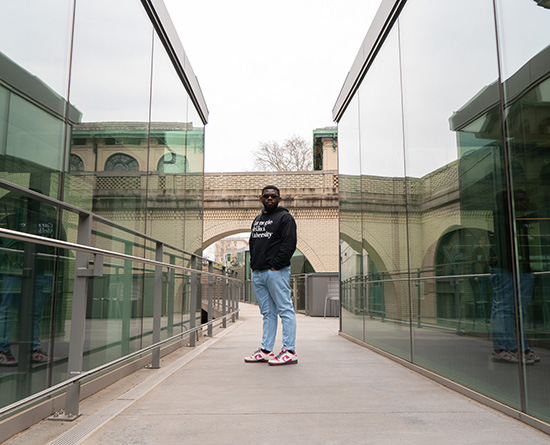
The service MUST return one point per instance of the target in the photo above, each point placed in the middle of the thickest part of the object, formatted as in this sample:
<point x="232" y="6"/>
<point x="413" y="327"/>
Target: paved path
<point x="339" y="393"/>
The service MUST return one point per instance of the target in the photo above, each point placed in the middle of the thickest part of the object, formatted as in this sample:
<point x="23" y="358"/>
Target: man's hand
<point x="272" y="268"/>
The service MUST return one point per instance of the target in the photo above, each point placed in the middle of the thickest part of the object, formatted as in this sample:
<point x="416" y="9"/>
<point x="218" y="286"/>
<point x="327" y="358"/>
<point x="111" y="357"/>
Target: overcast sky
<point x="268" y="70"/>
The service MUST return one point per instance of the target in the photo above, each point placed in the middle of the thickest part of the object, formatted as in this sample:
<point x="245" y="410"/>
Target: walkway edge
<point x="94" y="422"/>
<point x="457" y="387"/>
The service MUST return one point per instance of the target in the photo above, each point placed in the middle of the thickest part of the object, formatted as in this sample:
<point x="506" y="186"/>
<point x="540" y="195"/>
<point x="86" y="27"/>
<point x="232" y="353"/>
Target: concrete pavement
<point x="339" y="393"/>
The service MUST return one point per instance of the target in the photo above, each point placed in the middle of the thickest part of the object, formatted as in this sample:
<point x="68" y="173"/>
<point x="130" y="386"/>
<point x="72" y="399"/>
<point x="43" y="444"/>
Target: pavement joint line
<point x="84" y="429"/>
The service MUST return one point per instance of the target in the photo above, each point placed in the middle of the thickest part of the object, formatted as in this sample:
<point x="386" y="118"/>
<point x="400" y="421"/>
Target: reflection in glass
<point x="194" y="185"/>
<point x="36" y="37"/>
<point x="34" y="116"/>
<point x="385" y="255"/>
<point x="454" y="174"/>
<point x="27" y="295"/>
<point x="351" y="259"/>
<point x="110" y="85"/>
<point x="123" y="142"/>
<point x="121" y="162"/>
<point x="525" y="66"/>
<point x="476" y="190"/>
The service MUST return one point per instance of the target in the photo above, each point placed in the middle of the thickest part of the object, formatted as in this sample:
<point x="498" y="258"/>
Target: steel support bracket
<point x="96" y="271"/>
<point x="61" y="415"/>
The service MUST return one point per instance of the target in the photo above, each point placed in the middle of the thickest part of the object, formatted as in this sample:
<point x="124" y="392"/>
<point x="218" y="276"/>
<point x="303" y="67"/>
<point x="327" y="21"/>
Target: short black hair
<point x="272" y="187"/>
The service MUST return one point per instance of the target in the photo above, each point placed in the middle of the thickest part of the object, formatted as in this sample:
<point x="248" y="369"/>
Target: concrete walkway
<point x="339" y="393"/>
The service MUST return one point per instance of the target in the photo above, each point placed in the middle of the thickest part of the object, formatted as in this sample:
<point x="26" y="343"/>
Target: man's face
<point x="522" y="201"/>
<point x="270" y="199"/>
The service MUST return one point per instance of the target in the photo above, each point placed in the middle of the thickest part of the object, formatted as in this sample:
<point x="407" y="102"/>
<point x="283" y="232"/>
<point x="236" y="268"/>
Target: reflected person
<point x="480" y="285"/>
<point x="31" y="216"/>
<point x="503" y="319"/>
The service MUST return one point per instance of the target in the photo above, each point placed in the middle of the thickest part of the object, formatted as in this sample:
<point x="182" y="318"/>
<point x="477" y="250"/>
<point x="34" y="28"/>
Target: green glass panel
<point x="525" y="66"/>
<point x="351" y="258"/>
<point x="384" y="210"/>
<point x="456" y="193"/>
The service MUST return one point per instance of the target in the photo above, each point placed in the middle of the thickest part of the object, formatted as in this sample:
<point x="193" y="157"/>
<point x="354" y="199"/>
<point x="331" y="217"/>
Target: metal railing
<point x="222" y="293"/>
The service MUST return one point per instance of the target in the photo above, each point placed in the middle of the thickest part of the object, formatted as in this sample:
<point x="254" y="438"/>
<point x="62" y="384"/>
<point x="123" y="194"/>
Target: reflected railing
<point x="111" y="304"/>
<point x="460" y="302"/>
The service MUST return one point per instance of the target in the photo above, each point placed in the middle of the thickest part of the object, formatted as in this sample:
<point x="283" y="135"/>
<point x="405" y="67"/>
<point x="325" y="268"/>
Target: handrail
<point x="71" y="208"/>
<point x="432" y="277"/>
<point x="22" y="236"/>
<point x="52" y="389"/>
<point x="87" y="267"/>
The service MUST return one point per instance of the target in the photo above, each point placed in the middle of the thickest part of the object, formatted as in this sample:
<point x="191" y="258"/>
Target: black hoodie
<point x="273" y="239"/>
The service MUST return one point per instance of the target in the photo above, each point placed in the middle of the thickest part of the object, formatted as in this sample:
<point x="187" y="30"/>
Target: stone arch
<point x="222" y="230"/>
<point x="209" y="241"/>
<point x="478" y="220"/>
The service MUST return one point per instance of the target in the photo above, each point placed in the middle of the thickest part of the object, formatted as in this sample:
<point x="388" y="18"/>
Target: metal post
<point x="238" y="288"/>
<point x="78" y="318"/>
<point x="193" y="300"/>
<point x="157" y="307"/>
<point x="306" y="295"/>
<point x="295" y="291"/>
<point x="26" y="310"/>
<point x="171" y="296"/>
<point x="224" y="297"/>
<point x="233" y="295"/>
<point x="127" y="288"/>
<point x="210" y="293"/>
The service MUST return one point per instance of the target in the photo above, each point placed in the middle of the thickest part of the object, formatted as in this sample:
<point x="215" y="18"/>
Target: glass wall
<point x="451" y="124"/>
<point x="93" y="113"/>
<point x="351" y="268"/>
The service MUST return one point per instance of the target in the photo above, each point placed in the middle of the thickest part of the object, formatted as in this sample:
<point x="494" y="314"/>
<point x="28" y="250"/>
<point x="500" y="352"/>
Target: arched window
<point x="173" y="163"/>
<point x="76" y="164"/>
<point x="121" y="163"/>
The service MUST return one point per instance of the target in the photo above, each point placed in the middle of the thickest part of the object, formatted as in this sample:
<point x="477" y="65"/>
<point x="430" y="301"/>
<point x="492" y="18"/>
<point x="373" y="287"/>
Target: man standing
<point x="272" y="244"/>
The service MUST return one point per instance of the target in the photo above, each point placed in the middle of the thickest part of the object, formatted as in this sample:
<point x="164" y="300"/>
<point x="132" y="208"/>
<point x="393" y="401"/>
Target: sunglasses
<point x="269" y="195"/>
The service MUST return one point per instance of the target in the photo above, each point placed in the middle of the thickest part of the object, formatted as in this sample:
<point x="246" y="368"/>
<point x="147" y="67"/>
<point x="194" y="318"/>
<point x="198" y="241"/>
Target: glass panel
<point x="351" y="268"/>
<point x="194" y="146"/>
<point x="455" y="171"/>
<point x="168" y="164"/>
<point x="385" y="259"/>
<point x="28" y="295"/>
<point x="117" y="314"/>
<point x="175" y="299"/>
<point x="34" y="77"/>
<point x="110" y="86"/>
<point x="31" y="148"/>
<point x="526" y="72"/>
<point x="35" y="38"/>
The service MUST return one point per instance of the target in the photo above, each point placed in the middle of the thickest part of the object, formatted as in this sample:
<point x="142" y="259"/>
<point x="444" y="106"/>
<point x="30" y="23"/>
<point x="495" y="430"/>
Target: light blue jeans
<point x="503" y="320"/>
<point x="272" y="288"/>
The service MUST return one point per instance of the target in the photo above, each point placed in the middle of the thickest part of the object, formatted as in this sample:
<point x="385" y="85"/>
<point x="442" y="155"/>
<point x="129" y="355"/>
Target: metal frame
<point x="157" y="12"/>
<point x="379" y="29"/>
<point x="83" y="272"/>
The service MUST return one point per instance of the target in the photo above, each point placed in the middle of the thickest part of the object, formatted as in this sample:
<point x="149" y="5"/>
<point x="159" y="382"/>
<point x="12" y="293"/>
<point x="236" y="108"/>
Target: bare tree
<point x="295" y="154"/>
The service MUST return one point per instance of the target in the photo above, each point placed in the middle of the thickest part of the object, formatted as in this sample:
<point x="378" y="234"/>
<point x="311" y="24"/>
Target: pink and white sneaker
<point x="531" y="356"/>
<point x="259" y="356"/>
<point x="284" y="358"/>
